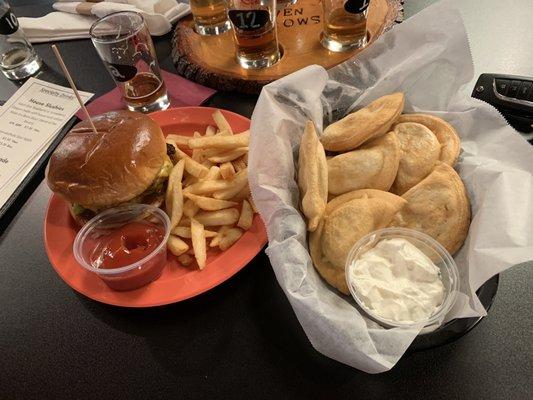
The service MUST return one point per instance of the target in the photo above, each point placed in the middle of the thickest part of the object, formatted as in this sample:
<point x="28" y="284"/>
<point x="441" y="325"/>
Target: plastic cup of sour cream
<point x="402" y="278"/>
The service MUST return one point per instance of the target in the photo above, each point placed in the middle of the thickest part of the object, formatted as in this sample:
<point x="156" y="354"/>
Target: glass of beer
<point x="210" y="17"/>
<point x="124" y="44"/>
<point x="344" y="24"/>
<point x="254" y="30"/>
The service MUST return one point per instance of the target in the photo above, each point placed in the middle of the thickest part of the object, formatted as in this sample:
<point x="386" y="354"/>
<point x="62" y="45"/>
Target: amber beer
<point x="125" y="46"/>
<point x="344" y="24"/>
<point x="144" y="89"/>
<point x="254" y="28"/>
<point x="210" y="16"/>
<point x="260" y="47"/>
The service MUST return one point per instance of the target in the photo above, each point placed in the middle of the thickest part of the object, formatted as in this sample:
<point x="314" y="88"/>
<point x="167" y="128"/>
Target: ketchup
<point x="126" y="245"/>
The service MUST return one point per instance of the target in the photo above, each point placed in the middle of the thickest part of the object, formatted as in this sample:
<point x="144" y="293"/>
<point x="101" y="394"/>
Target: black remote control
<point x="512" y="96"/>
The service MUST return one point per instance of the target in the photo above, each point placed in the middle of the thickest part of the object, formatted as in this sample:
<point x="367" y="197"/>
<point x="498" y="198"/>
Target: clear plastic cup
<point x="131" y="225"/>
<point x="432" y="249"/>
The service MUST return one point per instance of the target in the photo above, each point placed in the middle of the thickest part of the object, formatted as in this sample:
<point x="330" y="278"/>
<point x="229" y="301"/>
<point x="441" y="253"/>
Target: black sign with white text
<point x="249" y="20"/>
<point x="8" y="23"/>
<point x="356" y="6"/>
<point x="120" y="72"/>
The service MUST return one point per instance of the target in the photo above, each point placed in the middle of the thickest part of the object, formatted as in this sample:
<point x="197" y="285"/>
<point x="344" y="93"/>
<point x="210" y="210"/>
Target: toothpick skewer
<point x="71" y="82"/>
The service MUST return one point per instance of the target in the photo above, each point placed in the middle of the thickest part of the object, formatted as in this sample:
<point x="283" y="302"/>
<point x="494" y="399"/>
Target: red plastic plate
<point x="177" y="282"/>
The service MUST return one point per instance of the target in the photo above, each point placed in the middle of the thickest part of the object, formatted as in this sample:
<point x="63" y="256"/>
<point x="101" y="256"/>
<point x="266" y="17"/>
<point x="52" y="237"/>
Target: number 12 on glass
<point x="248" y="20"/>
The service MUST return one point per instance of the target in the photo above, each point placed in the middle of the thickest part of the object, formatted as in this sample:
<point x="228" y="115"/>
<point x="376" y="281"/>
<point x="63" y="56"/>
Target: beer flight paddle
<point x="211" y="60"/>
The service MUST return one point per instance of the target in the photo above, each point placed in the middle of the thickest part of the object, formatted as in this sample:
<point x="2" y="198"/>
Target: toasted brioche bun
<point x="111" y="167"/>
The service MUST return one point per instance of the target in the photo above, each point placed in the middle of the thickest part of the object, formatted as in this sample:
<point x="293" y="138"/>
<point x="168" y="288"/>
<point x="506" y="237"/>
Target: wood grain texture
<point x="210" y="60"/>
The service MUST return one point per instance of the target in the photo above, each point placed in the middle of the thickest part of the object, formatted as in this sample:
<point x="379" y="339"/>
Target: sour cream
<point x="397" y="281"/>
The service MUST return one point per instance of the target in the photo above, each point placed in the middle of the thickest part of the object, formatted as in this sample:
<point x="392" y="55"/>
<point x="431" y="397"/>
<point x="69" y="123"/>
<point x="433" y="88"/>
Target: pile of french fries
<point x="208" y="197"/>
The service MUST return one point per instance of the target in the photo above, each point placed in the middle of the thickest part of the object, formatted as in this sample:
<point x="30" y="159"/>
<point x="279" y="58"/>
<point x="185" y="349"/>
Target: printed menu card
<point x="29" y="121"/>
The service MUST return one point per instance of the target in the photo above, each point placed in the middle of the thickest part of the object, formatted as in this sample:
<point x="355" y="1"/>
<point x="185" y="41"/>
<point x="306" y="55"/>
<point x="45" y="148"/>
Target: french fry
<point x="176" y="245"/>
<point x="198" y="242"/>
<point x="240" y="181"/>
<point x="204" y="187"/>
<point x="193" y="167"/>
<point x="245" y="158"/>
<point x="228" y="155"/>
<point x="185" y="221"/>
<point x="175" y="194"/>
<point x="243" y="194"/>
<point x="196" y="169"/>
<point x="179" y="140"/>
<point x="228" y="216"/>
<point x="197" y="153"/>
<point x="252" y="204"/>
<point x="185" y="259"/>
<point x="216" y="240"/>
<point x="189" y="180"/>
<point x="210" y="204"/>
<point x="190" y="208"/>
<point x="239" y="164"/>
<point x="221" y="142"/>
<point x="210" y="131"/>
<point x="208" y="153"/>
<point x="227" y="170"/>
<point x="185" y="232"/>
<point x="222" y="123"/>
<point x="214" y="174"/>
<point x="207" y="163"/>
<point x="247" y="216"/>
<point x="229" y="238"/>
<point x="223" y="133"/>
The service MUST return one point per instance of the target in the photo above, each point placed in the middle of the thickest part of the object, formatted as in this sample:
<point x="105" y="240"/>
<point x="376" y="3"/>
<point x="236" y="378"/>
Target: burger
<point x="125" y="161"/>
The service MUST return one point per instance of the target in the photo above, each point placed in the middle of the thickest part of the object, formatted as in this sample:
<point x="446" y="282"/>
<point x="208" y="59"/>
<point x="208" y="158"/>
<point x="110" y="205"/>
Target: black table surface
<point x="240" y="340"/>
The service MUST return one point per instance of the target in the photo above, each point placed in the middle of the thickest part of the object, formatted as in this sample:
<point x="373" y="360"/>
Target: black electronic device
<point x="512" y="96"/>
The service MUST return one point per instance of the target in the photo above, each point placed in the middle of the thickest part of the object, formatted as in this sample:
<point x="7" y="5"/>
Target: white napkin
<point x="66" y="23"/>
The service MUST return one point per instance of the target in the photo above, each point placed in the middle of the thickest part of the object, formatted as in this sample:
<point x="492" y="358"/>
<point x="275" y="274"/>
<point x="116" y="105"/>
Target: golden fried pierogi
<point x="362" y="125"/>
<point x="347" y="219"/>
<point x="419" y="152"/>
<point x="444" y="132"/>
<point x="439" y="207"/>
<point x="372" y="166"/>
<point x="312" y="177"/>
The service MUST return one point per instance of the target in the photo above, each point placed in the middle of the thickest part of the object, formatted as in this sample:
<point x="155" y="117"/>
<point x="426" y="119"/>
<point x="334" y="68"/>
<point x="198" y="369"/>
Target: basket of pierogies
<point x="389" y="143"/>
<point x="384" y="169"/>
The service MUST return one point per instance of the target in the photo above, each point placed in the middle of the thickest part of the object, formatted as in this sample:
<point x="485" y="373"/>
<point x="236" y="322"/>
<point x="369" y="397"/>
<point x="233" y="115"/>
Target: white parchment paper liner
<point x="428" y="58"/>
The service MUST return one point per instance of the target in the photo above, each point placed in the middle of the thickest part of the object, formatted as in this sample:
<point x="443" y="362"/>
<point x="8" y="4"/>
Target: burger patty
<point x="152" y="195"/>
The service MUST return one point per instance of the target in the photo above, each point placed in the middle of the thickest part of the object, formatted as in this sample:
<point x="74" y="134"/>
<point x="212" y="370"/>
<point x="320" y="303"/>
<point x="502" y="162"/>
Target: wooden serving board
<point x="210" y="60"/>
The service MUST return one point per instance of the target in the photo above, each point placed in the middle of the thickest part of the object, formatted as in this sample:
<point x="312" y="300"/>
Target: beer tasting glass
<point x="254" y="30"/>
<point x="344" y="24"/>
<point x="210" y="16"/>
<point x="124" y="44"/>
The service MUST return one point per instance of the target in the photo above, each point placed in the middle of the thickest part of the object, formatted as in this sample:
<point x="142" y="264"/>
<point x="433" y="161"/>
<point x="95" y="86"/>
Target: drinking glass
<point x="344" y="24"/>
<point x="18" y="59"/>
<point x="124" y="44"/>
<point x="210" y="17"/>
<point x="254" y="29"/>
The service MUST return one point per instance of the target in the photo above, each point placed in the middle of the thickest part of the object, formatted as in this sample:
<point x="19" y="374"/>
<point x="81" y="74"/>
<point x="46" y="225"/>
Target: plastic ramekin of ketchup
<point x="125" y="246"/>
